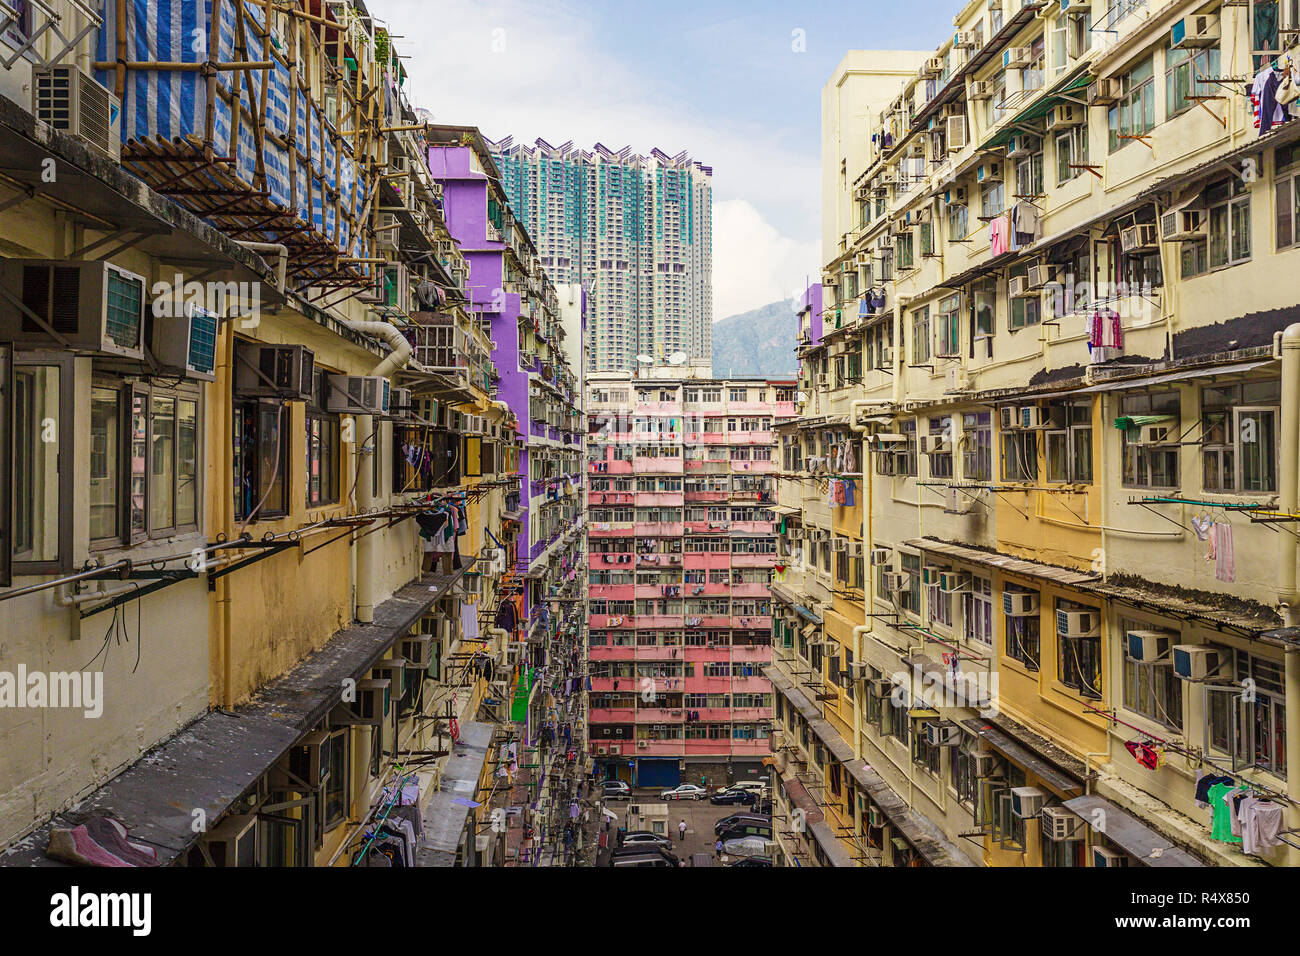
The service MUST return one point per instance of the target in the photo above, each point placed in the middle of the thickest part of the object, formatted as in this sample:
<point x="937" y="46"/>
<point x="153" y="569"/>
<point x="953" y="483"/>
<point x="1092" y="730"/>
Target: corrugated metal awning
<point x="927" y="839"/>
<point x="1132" y="835"/>
<point x="1036" y="569"/>
<point x="1204" y="371"/>
<point x="1060" y="781"/>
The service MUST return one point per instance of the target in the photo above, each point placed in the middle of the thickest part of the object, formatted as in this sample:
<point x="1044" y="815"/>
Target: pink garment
<point x="998" y="235"/>
<point x="1225" y="561"/>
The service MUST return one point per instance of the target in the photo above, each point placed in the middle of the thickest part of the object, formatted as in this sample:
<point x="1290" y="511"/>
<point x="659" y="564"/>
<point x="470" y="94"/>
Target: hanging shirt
<point x="1221" y="813"/>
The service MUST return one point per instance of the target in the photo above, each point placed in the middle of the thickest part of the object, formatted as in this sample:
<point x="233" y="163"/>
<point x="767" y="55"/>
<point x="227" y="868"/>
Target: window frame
<point x="63" y="362"/>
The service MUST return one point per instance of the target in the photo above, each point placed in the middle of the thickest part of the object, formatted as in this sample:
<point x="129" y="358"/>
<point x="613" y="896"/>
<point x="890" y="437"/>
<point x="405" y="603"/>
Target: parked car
<point x="751" y="861"/>
<point x="747" y="828"/>
<point x="645" y="849"/>
<point x="748" y="846"/>
<point x="730" y="797"/>
<point x="686" y="791"/>
<point x="643" y="838"/>
<point x="616" y="790"/>
<point x="738" y="819"/>
<point x="640" y="859"/>
<point x="750" y="786"/>
<point x="762" y="806"/>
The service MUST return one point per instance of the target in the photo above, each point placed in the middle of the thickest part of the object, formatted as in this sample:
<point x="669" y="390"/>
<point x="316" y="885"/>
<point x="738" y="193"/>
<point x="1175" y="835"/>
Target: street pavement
<point x="700" y="816"/>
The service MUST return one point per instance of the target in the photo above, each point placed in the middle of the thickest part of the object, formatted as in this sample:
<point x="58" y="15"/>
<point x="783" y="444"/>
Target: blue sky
<point x="720" y="79"/>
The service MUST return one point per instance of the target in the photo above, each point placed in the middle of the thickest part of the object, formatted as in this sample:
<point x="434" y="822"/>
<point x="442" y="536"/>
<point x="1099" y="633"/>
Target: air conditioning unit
<point x="1065" y="115"/>
<point x="401" y="405"/>
<point x="988" y="173"/>
<point x="1026" y="801"/>
<point x="880" y="556"/>
<point x="983" y="765"/>
<point x="1105" y="92"/>
<point x="72" y="101"/>
<point x="1102" y="856"/>
<point x="1138" y="237"/>
<point x="939" y="734"/>
<point x="963" y="40"/>
<point x="1040" y="275"/>
<point x="839" y="544"/>
<point x="186" y="344"/>
<point x="615" y="749"/>
<point x="1031" y="416"/>
<point x="1149" y="646"/>
<point x="981" y="90"/>
<point x="933" y="66"/>
<point x="893" y="581"/>
<point x="1077" y="623"/>
<point x="601" y="751"/>
<point x="1159" y="434"/>
<point x="854" y="549"/>
<point x="953" y="582"/>
<point x="358" y="394"/>
<point x="417" y="650"/>
<point x="1020" y="146"/>
<point x="1198" y="31"/>
<point x="1018" y="287"/>
<point x="1059" y="824"/>
<point x="275" y="371"/>
<point x="875" y="816"/>
<point x="1195" y="661"/>
<point x="934" y="445"/>
<point x="232" y="842"/>
<point x="930" y="574"/>
<point x="1017" y="57"/>
<point x="1180" y="225"/>
<point x="823" y="380"/>
<point x="306" y="759"/>
<point x="83" y="305"/>
<point x="881" y="688"/>
<point x="642" y="744"/>
<point x="1019" y="603"/>
<point x="887" y="356"/>
<point x="1009" y="417"/>
<point x="955" y="133"/>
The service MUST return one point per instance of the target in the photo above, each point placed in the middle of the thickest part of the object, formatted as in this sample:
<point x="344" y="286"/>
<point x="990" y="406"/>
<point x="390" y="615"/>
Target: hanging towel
<point x="1225" y="562"/>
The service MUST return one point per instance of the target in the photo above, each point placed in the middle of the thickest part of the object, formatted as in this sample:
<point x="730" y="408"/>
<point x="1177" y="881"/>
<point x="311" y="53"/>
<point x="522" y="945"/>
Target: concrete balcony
<point x="783" y="409"/>
<point x="750" y="685"/>
<point x="705" y="652"/>
<point x="611" y="621"/>
<point x="708" y="685"/>
<point x="711" y="589"/>
<point x="708" y="620"/>
<point x="659" y="620"/>
<point x="706" y="527"/>
<point x="654" y="748"/>
<point x="714" y="714"/>
<point x="702" y="497"/>
<point x="658" y="529"/>
<point x="616" y="592"/>
<point x="655" y="466"/>
<point x="750" y="438"/>
<point x="610" y="559"/>
<point x="651" y="499"/>
<point x="660" y="561"/>
<point x="754" y="589"/>
<point x="753" y="622"/>
<point x="658" y="408"/>
<point x="660" y="715"/>
<point x="709" y="559"/>
<point x="611" y="684"/>
<point x="754" y="467"/>
<point x="609" y="467"/>
<point x="752" y="560"/>
<point x="749" y="408"/>
<point x="751" y="653"/>
<point x="609" y="497"/>
<point x="606" y="652"/>
<point x="608" y="715"/>
<point x="708" y="467"/>
<point x="755" y="527"/>
<point x="610" y="529"/>
<point x="751" y="713"/>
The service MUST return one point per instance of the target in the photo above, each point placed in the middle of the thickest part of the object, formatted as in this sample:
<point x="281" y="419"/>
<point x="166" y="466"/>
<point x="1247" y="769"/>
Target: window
<point x="921" y="336"/>
<point x="1026" y="310"/>
<point x="941" y="463"/>
<point x="940" y="605"/>
<point x="261" y="450"/>
<point x="949" y="331"/>
<point x="106" y="458"/>
<point x="1239" y="431"/>
<point x="993" y="200"/>
<point x="1252" y="731"/>
<point x="1019" y="455"/>
<point x="1078" y="659"/>
<point x="1184" y="70"/>
<point x="738" y="395"/>
<point x="1151" y="689"/>
<point x="910" y="598"/>
<point x="905" y="256"/>
<point x="927" y="755"/>
<point x="1022" y="633"/>
<point x="977" y="612"/>
<point x="977" y="446"/>
<point x="957" y="221"/>
<point x="1229" y="205"/>
<point x="1069" y="448"/>
<point x="1150" y="465"/>
<point x="1029" y="175"/>
<point x="40" y="395"/>
<point x="322" y="459"/>
<point x="1286" y="194"/>
<point x="1071" y="154"/>
<point x="1135" y="113"/>
<point x="336" y="786"/>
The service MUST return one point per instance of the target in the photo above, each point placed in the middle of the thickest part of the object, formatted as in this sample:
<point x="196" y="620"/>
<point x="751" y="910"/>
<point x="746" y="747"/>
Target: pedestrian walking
<point x="681" y="831"/>
<point x="717" y="848"/>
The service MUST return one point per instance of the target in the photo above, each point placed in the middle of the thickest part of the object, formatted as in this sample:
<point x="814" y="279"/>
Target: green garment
<point x="1221" y="825"/>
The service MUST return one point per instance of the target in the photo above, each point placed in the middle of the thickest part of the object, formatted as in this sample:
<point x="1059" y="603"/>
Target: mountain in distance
<point x="758" y="342"/>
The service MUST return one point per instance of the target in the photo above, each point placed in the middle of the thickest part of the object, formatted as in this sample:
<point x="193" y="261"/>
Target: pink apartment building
<point x="681" y="537"/>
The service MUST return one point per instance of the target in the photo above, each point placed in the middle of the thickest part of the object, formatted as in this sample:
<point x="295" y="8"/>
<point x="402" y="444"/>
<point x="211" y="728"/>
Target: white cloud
<point x="753" y="264"/>
<point x="533" y="69"/>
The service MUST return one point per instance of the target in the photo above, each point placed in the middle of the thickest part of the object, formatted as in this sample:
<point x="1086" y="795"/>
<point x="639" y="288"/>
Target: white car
<point x="751" y="786"/>
<point x="687" y="791"/>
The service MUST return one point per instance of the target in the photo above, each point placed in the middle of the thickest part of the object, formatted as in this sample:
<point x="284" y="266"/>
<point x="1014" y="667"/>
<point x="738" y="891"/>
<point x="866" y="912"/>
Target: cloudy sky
<point x="735" y="84"/>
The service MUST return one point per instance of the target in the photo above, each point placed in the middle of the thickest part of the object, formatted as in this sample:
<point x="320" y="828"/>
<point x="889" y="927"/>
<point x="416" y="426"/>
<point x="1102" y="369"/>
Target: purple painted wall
<point x="812" y="299"/>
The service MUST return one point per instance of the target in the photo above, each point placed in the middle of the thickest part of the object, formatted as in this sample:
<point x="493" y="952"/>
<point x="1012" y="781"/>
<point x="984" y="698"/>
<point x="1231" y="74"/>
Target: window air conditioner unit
<point x="1077" y="623"/>
<point x="934" y="445"/>
<point x="1161" y="434"/>
<point x="601" y="751"/>
<point x="1017" y="57"/>
<point x="880" y="556"/>
<point x="964" y="40"/>
<point x="1026" y="801"/>
<point x="1020" y="146"/>
<point x="186" y="344"/>
<point x="400" y="405"/>
<point x="933" y="66"/>
<point x="282" y="371"/>
<point x="642" y="744"/>
<point x="232" y="842"/>
<point x="1065" y="115"/>
<point x="1031" y="416"/>
<point x="823" y="379"/>
<point x="358" y="394"/>
<point x="930" y="574"/>
<point x="1101" y="856"/>
<point x="1195" y="661"/>
<point x="881" y="688"/>
<point x="307" y="759"/>
<point x="1019" y="603"/>
<point x="72" y="101"/>
<point x="875" y="817"/>
<point x="839" y="544"/>
<point x="1018" y="287"/>
<point x="86" y="306"/>
<point x="953" y="582"/>
<point x="615" y="749"/>
<point x="1059" y="824"/>
<point x="1149" y="646"/>
<point x="955" y="133"/>
<point x="983" y="765"/>
<point x="1197" y="31"/>
<point x="854" y="549"/>
<point x="988" y="173"/>
<point x="1138" y="237"/>
<point x="417" y="650"/>
<point x="893" y="581"/>
<point x="1105" y="92"/>
<point x="1040" y="275"/>
<point x="981" y="90"/>
<point x="1180" y="225"/>
<point x="1009" y="417"/>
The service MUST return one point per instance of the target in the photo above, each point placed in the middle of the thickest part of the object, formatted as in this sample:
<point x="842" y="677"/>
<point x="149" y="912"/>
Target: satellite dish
<point x="645" y="359"/>
<point x="678" y="358"/>
<point x="423" y="115"/>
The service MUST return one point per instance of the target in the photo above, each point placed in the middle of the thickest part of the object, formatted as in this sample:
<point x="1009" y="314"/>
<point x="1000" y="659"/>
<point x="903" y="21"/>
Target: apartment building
<point x="682" y="543"/>
<point x="266" y="483"/>
<point x="635" y="230"/>
<point x="1056" y="363"/>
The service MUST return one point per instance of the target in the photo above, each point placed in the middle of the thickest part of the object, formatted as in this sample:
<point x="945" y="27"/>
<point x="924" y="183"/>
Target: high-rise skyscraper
<point x="636" y="231"/>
